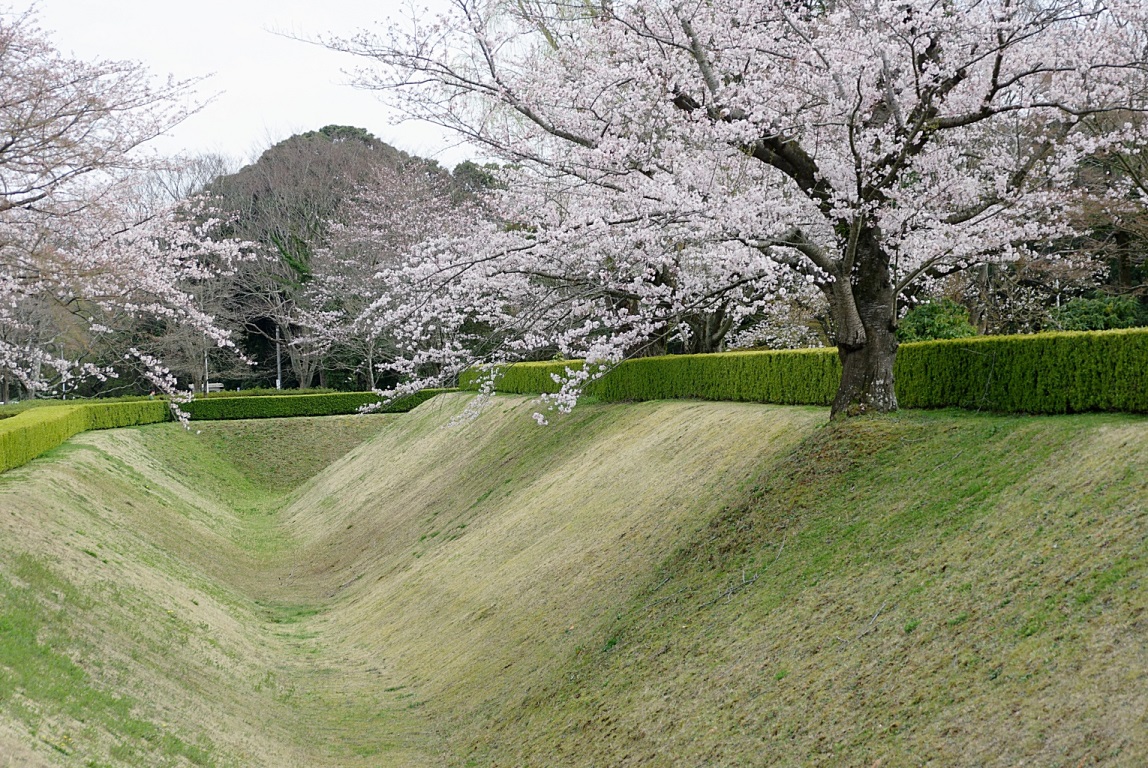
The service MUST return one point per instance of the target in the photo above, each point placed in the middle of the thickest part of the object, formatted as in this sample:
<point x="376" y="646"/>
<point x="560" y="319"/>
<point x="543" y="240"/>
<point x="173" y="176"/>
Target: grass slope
<point x="672" y="583"/>
<point x="928" y="589"/>
<point x="133" y="629"/>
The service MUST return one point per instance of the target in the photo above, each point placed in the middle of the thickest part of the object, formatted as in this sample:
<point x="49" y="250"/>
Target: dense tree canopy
<point x="672" y="160"/>
<point x="660" y="176"/>
<point x="328" y="210"/>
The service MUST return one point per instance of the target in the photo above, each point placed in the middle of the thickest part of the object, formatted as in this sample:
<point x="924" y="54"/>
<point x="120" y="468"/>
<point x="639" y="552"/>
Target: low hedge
<point x="1042" y="373"/>
<point x="798" y="377"/>
<point x="19" y="406"/>
<point x="532" y="378"/>
<point x="1066" y="372"/>
<point x="792" y="377"/>
<point x="267" y="392"/>
<point x="30" y="433"/>
<point x="281" y="406"/>
<point x="26" y="435"/>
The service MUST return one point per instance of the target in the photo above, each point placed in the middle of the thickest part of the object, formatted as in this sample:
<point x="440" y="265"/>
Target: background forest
<point x="327" y="209"/>
<point x="337" y="261"/>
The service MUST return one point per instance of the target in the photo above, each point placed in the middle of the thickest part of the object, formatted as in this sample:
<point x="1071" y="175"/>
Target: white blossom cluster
<point x="668" y="162"/>
<point x="77" y="250"/>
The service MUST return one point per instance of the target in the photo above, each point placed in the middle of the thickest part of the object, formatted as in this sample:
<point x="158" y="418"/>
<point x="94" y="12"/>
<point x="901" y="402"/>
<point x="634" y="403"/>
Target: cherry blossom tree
<point x="74" y="242"/>
<point x="397" y="207"/>
<point x="287" y="202"/>
<point x="1114" y="218"/>
<point x="670" y="155"/>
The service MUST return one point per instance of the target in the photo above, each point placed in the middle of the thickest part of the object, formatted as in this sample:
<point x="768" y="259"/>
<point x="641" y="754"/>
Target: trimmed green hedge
<point x="30" y="433"/>
<point x="264" y="407"/>
<point x="805" y="377"/>
<point x="1065" y="372"/>
<point x="15" y="407"/>
<point x="25" y="436"/>
<point x="799" y="377"/>
<point x="267" y="392"/>
<point x="1042" y="373"/>
<point x="533" y="378"/>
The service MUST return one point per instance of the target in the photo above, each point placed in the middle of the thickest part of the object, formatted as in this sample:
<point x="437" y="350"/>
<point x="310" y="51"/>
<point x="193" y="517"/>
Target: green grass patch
<point x="280" y="454"/>
<point x="43" y="686"/>
<point x="936" y="584"/>
<point x="652" y="583"/>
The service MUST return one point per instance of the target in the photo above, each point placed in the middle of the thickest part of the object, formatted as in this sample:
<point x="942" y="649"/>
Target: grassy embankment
<point x="670" y="583"/>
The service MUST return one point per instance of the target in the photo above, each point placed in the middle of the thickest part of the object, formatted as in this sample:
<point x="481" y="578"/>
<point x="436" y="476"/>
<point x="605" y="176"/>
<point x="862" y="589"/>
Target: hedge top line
<point x="576" y="363"/>
<point x="1062" y="372"/>
<point x="28" y="434"/>
<point x="1056" y="372"/>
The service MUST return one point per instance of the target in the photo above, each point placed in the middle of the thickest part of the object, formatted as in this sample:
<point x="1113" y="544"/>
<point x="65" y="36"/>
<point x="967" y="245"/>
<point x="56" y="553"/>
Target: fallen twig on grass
<point x="734" y="589"/>
<point x="872" y="621"/>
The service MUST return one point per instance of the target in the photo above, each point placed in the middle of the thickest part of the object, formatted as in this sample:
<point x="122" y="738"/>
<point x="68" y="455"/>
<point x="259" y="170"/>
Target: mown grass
<point x="672" y="583"/>
<point x="133" y="609"/>
<point x="43" y="686"/>
<point x="928" y="588"/>
<point x="281" y="455"/>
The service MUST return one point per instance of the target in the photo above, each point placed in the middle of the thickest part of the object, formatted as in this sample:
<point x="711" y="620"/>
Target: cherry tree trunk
<point x="864" y="309"/>
<point x="867" y="376"/>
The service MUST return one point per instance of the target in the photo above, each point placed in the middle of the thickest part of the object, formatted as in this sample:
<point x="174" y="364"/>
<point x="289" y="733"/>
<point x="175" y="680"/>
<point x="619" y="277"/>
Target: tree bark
<point x="1124" y="260"/>
<point x="370" y="371"/>
<point x="864" y="310"/>
<point x="707" y="331"/>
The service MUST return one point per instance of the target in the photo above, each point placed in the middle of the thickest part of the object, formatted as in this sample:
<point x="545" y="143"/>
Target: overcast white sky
<point x="269" y="87"/>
